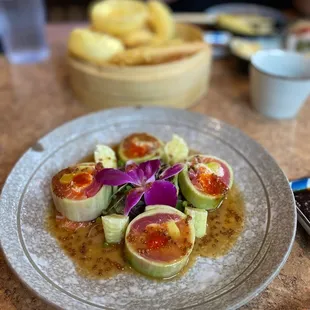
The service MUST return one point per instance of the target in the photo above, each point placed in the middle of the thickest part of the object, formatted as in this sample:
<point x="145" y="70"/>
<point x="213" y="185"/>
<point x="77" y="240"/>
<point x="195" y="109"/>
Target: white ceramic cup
<point x="280" y="82"/>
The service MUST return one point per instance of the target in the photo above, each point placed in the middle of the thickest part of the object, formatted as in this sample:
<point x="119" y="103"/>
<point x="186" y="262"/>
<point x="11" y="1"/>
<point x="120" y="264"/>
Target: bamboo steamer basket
<point x="176" y="84"/>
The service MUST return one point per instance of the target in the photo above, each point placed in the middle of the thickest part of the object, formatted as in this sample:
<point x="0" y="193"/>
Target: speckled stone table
<point x="35" y="99"/>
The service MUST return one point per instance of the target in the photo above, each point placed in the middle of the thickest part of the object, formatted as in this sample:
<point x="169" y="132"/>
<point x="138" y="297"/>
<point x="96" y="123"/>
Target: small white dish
<point x="280" y="82"/>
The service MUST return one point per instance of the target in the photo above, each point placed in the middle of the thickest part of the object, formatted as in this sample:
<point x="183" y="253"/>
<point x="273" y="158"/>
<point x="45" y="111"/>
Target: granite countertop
<point x="34" y="99"/>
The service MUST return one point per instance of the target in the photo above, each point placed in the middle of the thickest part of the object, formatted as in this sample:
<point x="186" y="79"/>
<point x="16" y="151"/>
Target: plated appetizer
<point x="143" y="206"/>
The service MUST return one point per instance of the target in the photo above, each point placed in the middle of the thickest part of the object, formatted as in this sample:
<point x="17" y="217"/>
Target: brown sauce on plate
<point x="87" y="248"/>
<point x="96" y="259"/>
<point x="225" y="224"/>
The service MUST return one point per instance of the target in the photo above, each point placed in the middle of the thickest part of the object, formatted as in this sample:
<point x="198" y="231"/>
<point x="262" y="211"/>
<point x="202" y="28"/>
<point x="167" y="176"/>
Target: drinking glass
<point x="22" y="24"/>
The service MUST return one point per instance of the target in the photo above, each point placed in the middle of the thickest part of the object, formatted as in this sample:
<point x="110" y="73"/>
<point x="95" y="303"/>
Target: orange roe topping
<point x="136" y="151"/>
<point x="72" y="182"/>
<point x="82" y="179"/>
<point x="156" y="240"/>
<point x="139" y="145"/>
<point x="210" y="183"/>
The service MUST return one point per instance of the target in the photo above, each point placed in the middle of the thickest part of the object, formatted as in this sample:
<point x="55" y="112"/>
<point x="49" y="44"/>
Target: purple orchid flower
<point x="142" y="177"/>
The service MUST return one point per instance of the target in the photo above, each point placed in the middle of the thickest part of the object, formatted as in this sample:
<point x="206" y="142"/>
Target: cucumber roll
<point x="205" y="181"/>
<point x="140" y="147"/>
<point x="76" y="193"/>
<point x="159" y="241"/>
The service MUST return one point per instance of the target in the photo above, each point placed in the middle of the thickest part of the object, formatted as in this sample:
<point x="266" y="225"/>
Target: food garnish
<point x="142" y="178"/>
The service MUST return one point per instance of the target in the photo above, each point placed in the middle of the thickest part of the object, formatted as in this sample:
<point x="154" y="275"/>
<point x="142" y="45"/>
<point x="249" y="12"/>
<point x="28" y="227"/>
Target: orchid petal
<point x="150" y="168"/>
<point x="140" y="174"/>
<point x="171" y="171"/>
<point x="162" y="193"/>
<point x="132" y="198"/>
<point x="136" y="176"/>
<point x="113" y="177"/>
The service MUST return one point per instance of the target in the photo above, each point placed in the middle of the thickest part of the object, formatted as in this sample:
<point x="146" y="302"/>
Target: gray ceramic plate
<point x="224" y="283"/>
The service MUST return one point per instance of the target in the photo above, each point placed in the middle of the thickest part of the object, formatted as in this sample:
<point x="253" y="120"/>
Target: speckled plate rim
<point x="49" y="143"/>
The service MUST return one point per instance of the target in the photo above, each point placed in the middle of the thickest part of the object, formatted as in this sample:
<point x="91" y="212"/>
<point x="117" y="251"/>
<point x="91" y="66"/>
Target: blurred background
<point x="62" y="11"/>
<point x="76" y="10"/>
<point x="231" y="28"/>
